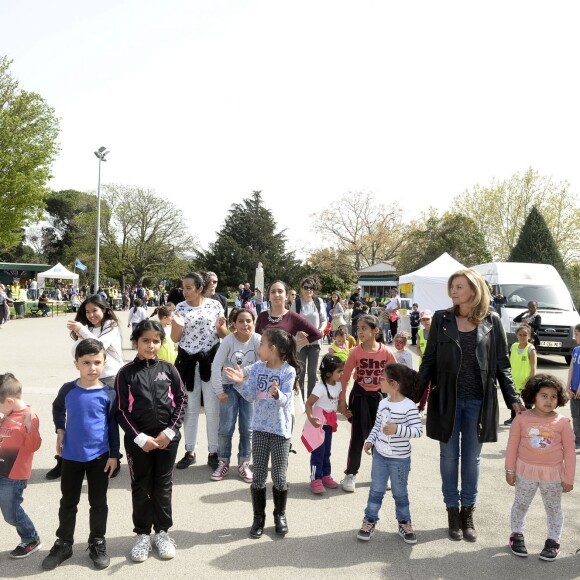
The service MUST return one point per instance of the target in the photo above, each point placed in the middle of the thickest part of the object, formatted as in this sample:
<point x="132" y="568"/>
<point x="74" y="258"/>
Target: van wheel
<point x="568" y="359"/>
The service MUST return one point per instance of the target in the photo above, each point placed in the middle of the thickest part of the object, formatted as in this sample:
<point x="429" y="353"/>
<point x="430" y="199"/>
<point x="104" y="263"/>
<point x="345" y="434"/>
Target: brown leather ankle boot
<point x="454" y="518"/>
<point x="467" y="525"/>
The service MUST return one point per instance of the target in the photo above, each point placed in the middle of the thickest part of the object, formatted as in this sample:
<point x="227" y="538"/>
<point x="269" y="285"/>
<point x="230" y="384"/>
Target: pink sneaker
<point x="327" y="481"/>
<point x="316" y="486"/>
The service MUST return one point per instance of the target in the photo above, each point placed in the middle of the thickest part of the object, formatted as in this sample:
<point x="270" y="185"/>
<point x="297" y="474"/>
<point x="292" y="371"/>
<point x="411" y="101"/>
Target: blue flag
<point x="79" y="265"/>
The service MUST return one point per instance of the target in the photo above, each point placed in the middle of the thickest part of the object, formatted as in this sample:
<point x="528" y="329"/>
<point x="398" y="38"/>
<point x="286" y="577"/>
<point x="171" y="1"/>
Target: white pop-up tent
<point x="58" y="272"/>
<point x="429" y="288"/>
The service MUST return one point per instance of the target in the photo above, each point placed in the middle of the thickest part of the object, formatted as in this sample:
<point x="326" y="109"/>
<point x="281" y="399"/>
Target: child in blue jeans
<point x="397" y="422"/>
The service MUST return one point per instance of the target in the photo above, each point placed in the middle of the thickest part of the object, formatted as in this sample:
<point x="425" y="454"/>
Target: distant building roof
<point x="379" y="269"/>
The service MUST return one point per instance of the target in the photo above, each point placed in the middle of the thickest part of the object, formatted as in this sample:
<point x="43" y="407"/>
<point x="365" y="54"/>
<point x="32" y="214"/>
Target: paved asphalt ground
<point x="212" y="519"/>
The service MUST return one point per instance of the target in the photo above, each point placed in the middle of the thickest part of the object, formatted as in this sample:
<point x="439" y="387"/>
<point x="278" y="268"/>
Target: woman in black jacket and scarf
<point x="466" y="354"/>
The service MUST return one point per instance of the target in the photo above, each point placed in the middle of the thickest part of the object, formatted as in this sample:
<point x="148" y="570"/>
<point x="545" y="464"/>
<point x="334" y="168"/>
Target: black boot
<point x="280" y="497"/>
<point x="55" y="472"/>
<point x="467" y="525"/>
<point x="454" y="518"/>
<point x="259" y="505"/>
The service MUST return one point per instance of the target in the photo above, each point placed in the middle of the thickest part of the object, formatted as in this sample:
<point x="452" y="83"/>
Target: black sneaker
<point x="407" y="533"/>
<point x="55" y="472"/>
<point x="366" y="530"/>
<point x="213" y="461"/>
<point x="185" y="461"/>
<point x="508" y="422"/>
<point x="550" y="551"/>
<point x="98" y="553"/>
<point x="60" y="552"/>
<point x="24" y="549"/>
<point x="517" y="545"/>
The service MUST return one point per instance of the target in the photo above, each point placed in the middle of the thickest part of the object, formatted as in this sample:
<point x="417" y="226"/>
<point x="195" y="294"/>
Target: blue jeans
<point x="235" y="406"/>
<point x="320" y="457"/>
<point x="10" y="505"/>
<point x="465" y="427"/>
<point x="397" y="470"/>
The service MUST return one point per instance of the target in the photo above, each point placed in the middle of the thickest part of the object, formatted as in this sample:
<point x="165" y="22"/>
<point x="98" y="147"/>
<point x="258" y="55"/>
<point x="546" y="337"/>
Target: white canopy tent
<point x="58" y="272"/>
<point x="430" y="283"/>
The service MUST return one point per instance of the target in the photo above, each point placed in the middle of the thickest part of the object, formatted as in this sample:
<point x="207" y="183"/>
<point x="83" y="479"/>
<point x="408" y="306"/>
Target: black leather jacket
<point x="441" y="363"/>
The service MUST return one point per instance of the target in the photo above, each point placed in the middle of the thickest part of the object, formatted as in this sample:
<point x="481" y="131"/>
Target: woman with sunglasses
<point x="310" y="307"/>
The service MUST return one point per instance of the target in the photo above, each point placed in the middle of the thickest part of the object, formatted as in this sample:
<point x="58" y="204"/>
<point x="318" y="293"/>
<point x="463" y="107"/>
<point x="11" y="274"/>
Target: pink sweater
<point x="368" y="368"/>
<point x="542" y="448"/>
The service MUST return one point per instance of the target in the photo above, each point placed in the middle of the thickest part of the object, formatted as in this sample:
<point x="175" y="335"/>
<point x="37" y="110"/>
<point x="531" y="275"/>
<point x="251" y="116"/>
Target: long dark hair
<point x="100" y="302"/>
<point x="286" y="346"/>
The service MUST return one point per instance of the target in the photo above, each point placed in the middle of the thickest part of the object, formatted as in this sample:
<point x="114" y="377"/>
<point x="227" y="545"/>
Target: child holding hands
<point x="325" y="395"/>
<point x="396" y="423"/>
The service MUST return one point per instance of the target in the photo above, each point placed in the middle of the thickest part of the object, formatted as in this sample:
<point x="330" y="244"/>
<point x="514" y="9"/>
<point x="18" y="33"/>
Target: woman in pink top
<point x="540" y="453"/>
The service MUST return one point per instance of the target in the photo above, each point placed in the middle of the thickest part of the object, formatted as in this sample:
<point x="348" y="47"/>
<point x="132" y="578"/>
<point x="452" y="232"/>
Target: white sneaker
<point x="349" y="482"/>
<point x="141" y="549"/>
<point x="245" y="472"/>
<point x="165" y="545"/>
<point x="220" y="471"/>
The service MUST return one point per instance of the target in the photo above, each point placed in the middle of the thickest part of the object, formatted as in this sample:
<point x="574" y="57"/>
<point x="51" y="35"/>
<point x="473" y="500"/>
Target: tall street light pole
<point x="101" y="152"/>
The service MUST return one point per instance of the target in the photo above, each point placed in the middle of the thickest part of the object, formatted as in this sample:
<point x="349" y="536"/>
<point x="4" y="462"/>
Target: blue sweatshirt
<point x="271" y="415"/>
<point x="88" y="418"/>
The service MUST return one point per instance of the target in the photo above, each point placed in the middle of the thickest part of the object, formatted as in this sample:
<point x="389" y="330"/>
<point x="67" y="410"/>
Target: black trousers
<point x="414" y="332"/>
<point x="71" y="482"/>
<point x="151" y="485"/>
<point x="364" y="405"/>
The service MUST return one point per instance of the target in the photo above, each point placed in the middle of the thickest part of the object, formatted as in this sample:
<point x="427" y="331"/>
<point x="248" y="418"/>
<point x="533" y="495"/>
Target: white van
<point x="521" y="283"/>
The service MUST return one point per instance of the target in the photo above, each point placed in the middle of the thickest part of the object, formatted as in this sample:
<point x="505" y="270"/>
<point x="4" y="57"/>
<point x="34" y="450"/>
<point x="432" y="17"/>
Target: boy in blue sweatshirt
<point x="88" y="442"/>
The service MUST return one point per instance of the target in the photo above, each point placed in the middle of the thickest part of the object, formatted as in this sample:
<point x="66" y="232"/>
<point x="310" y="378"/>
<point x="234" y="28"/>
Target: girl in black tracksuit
<point x="151" y="405"/>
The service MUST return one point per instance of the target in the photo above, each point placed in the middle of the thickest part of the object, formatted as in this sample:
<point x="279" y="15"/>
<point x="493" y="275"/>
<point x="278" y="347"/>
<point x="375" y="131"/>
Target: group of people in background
<point x="261" y="371"/>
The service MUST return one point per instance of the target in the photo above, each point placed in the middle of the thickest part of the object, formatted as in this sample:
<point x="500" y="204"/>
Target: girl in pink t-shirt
<point x="540" y="453"/>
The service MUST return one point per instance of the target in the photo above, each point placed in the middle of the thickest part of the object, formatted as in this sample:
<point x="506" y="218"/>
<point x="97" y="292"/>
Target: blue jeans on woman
<point x="235" y="406"/>
<point x="10" y="504"/>
<point x="464" y="435"/>
<point x="383" y="469"/>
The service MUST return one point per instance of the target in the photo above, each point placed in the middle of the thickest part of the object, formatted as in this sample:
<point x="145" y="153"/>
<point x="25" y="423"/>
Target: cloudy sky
<point x="305" y="100"/>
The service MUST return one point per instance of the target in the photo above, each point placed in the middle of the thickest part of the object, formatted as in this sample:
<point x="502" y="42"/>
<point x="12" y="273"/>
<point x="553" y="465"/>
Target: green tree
<point x="536" y="245"/>
<point x="66" y="211"/>
<point x="332" y="269"/>
<point x="28" y="133"/>
<point x="501" y="208"/>
<point x="146" y="238"/>
<point x="366" y="231"/>
<point x="249" y="235"/>
<point x="431" y="236"/>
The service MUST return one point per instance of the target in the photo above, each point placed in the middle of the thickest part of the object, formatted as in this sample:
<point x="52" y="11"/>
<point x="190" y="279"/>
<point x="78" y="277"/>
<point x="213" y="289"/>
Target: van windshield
<point x="518" y="296"/>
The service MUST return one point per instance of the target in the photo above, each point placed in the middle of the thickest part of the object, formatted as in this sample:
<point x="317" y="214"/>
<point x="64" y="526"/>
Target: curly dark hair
<point x="535" y="383"/>
<point x="408" y="379"/>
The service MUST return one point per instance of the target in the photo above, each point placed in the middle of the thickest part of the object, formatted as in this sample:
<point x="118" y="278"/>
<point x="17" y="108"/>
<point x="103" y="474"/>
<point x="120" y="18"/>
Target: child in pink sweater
<point x="540" y="453"/>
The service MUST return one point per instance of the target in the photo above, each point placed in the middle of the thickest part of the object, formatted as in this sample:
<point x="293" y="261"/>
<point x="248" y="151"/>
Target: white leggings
<point x="552" y="498"/>
<point x="212" y="414"/>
